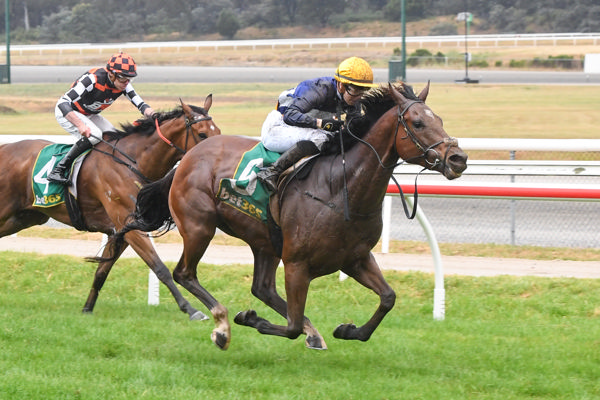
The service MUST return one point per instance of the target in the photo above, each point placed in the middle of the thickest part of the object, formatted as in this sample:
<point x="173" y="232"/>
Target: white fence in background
<point x="474" y="41"/>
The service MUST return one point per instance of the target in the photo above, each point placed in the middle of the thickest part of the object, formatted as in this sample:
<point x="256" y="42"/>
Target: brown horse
<point x="317" y="238"/>
<point x="108" y="183"/>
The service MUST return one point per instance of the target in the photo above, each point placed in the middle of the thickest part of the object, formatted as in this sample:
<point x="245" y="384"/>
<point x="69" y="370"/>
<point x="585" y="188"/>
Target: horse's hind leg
<point x="264" y="288"/>
<point x="144" y="248"/>
<point x="195" y="243"/>
<point x="102" y="272"/>
<point x="369" y="275"/>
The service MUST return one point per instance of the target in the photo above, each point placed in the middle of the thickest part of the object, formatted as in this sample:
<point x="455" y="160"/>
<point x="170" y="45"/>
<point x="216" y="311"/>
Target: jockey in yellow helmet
<point x="308" y="115"/>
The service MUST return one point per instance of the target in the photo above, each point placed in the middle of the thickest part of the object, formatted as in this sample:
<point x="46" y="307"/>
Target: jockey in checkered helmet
<point x="78" y="110"/>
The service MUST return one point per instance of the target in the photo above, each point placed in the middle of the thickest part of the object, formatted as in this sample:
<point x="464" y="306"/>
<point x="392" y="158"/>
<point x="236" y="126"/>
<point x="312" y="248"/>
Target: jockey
<point x="78" y="110"/>
<point x="308" y="116"/>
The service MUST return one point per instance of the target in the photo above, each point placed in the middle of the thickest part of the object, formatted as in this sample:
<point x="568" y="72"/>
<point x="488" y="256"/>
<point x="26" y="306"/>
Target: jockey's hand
<point x="149" y="113"/>
<point x="85" y="131"/>
<point x="331" y="125"/>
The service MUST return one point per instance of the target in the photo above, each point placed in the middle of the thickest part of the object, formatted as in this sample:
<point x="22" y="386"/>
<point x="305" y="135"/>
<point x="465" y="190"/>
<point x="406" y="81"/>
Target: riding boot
<point x="270" y="175"/>
<point x="57" y="174"/>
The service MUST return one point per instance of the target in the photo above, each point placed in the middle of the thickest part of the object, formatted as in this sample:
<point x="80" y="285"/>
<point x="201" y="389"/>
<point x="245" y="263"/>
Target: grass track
<point x="503" y="338"/>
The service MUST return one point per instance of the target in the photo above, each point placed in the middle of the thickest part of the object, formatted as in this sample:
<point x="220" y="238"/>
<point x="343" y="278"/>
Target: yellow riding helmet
<point x="355" y="71"/>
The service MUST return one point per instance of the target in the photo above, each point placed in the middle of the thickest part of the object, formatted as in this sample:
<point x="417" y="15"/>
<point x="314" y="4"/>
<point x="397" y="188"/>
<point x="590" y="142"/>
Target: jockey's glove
<point x="331" y="125"/>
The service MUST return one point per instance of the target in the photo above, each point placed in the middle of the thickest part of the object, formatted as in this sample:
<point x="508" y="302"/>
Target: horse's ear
<point x="186" y="109"/>
<point x="208" y="102"/>
<point x="424" y="92"/>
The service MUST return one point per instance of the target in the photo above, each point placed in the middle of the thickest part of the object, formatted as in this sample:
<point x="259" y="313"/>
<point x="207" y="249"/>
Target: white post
<point x="153" y="289"/>
<point x="153" y="285"/>
<point x="439" y="293"/>
<point x="387" y="222"/>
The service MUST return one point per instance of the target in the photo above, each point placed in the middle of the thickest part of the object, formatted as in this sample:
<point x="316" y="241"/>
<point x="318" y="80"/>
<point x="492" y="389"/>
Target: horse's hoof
<point x="344" y="331"/>
<point x="198" y="316"/>
<point x="244" y="317"/>
<point x="220" y="339"/>
<point x="87" y="312"/>
<point x="315" y="343"/>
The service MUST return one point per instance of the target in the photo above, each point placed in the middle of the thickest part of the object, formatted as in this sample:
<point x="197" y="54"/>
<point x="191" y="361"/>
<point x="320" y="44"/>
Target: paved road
<point x="184" y="74"/>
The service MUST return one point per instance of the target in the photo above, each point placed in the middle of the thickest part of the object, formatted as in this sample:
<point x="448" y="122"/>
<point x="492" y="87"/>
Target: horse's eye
<point x="418" y="124"/>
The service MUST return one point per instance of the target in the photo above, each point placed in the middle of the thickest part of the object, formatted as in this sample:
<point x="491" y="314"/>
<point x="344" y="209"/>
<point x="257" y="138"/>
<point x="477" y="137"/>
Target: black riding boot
<point x="58" y="172"/>
<point x="270" y="175"/>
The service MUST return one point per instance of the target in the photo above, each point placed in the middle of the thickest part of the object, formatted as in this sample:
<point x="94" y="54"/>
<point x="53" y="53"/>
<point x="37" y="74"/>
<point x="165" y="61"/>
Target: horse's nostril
<point x="458" y="161"/>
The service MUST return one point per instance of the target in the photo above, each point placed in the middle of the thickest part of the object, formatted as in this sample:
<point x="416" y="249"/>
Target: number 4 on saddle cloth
<point x="244" y="191"/>
<point x="49" y="194"/>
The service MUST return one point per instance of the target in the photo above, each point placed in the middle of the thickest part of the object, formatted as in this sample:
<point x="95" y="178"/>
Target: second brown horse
<point x="108" y="183"/>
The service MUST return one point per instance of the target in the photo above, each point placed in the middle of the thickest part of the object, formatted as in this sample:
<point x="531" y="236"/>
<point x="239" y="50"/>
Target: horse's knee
<point x="388" y="299"/>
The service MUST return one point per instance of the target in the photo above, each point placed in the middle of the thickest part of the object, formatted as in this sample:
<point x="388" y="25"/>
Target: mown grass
<point x="503" y="338"/>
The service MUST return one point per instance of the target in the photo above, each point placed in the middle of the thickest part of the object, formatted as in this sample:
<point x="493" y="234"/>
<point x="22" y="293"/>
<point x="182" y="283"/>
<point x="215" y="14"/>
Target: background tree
<point x="228" y="24"/>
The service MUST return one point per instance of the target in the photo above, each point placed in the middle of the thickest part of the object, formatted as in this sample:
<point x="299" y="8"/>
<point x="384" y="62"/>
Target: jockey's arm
<point x="81" y="126"/>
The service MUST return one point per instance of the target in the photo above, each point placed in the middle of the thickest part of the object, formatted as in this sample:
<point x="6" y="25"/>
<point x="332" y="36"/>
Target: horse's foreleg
<point x="144" y="248"/>
<point x="369" y="275"/>
<point x="296" y="287"/>
<point x="264" y="288"/>
<point x="102" y="272"/>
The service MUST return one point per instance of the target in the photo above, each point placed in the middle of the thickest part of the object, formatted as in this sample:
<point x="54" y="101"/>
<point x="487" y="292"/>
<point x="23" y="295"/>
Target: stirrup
<point x="269" y="178"/>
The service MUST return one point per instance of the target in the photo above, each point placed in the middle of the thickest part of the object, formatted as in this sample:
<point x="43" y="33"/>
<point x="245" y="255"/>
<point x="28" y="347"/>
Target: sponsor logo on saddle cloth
<point x="244" y="191"/>
<point x="46" y="193"/>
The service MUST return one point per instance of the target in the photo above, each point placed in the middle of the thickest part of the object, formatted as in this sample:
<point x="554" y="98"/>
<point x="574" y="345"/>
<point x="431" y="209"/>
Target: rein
<point x="188" y="125"/>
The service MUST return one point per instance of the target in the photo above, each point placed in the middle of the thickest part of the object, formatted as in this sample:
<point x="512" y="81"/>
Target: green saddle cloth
<point x="244" y="191"/>
<point x="46" y="193"/>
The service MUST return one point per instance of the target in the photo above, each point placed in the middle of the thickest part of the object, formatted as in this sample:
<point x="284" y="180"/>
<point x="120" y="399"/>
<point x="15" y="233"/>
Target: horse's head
<point x="424" y="141"/>
<point x="198" y="122"/>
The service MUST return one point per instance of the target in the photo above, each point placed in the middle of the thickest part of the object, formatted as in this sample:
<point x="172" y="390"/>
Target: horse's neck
<point x="153" y="156"/>
<point x="367" y="174"/>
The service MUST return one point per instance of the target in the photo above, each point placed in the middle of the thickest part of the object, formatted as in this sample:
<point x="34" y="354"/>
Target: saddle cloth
<point x="244" y="191"/>
<point x="46" y="193"/>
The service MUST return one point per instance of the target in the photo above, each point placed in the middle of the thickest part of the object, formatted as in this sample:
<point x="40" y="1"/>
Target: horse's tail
<point x="151" y="213"/>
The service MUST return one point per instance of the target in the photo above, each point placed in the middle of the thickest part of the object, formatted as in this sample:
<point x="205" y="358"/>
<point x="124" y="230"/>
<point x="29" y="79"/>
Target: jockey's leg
<point x="58" y="173"/>
<point x="270" y="175"/>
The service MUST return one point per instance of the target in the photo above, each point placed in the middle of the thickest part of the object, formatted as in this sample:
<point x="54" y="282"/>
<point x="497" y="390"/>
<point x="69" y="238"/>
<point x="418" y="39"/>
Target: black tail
<point x="151" y="213"/>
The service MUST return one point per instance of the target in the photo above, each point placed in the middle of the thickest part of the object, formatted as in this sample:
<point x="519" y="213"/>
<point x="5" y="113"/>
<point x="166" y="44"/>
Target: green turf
<point x="503" y="338"/>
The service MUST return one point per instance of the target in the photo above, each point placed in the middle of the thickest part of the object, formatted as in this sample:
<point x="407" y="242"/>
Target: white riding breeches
<point x="96" y="122"/>
<point x="278" y="136"/>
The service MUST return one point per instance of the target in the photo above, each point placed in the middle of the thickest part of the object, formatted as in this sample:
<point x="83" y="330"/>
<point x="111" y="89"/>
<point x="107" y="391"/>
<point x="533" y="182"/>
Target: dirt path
<point x="217" y="254"/>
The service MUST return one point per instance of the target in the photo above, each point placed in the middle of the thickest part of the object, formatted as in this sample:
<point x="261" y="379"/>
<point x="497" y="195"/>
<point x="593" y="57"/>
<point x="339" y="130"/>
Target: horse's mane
<point x="378" y="100"/>
<point x="375" y="102"/>
<point x="147" y="126"/>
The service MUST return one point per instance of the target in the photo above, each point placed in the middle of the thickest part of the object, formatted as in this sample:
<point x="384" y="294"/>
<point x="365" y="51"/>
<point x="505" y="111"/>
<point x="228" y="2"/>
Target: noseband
<point x="188" y="125"/>
<point x="451" y="142"/>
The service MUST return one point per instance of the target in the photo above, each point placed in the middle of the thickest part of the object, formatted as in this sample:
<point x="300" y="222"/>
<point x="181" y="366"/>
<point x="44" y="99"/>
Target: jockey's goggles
<point x="355" y="91"/>
<point x="122" y="78"/>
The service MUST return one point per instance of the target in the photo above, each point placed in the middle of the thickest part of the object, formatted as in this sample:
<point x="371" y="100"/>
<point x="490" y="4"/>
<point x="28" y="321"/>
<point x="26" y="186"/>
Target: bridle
<point x="188" y="129"/>
<point x="425" y="150"/>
